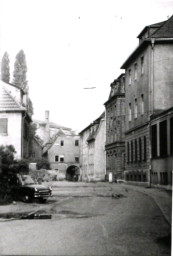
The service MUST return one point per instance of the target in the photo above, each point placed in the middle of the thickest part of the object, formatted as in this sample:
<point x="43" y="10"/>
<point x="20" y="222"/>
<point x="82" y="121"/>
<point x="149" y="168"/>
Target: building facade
<point x="149" y="90"/>
<point x="15" y="118"/>
<point x="162" y="148"/>
<point x="92" y="151"/>
<point x="115" y="126"/>
<point x="60" y="147"/>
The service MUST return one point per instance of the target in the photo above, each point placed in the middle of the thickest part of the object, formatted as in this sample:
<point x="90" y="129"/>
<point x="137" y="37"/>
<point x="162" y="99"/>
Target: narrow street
<point x="87" y="220"/>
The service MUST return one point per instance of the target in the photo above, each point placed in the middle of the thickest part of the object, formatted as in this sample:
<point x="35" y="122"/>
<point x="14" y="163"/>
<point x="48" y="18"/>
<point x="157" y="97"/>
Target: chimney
<point x="47" y="127"/>
<point x="47" y="116"/>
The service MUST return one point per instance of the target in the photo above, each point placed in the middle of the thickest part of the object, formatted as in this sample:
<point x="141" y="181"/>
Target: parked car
<point x="24" y="188"/>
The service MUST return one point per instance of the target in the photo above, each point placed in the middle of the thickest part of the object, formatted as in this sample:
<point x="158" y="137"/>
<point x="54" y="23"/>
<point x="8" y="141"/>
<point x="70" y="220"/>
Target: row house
<point x="15" y="118"/>
<point x="115" y="126"/>
<point x="149" y="91"/>
<point x="92" y="151"/>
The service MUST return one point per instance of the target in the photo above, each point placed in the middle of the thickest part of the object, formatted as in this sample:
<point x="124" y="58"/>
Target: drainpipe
<point x="151" y="105"/>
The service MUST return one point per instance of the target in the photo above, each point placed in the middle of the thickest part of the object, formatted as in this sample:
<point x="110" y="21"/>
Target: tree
<point x="20" y="69"/>
<point x="7" y="155"/>
<point x="5" y="69"/>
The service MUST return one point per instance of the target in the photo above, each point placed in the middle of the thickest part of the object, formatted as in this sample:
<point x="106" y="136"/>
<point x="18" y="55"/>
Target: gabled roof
<point x="53" y="139"/>
<point x="8" y="102"/>
<point x="163" y="32"/>
<point x="156" y="25"/>
<point x="94" y="122"/>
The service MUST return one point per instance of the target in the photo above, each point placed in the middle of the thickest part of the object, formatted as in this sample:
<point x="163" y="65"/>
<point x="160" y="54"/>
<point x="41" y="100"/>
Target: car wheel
<point x="26" y="198"/>
<point x="42" y="200"/>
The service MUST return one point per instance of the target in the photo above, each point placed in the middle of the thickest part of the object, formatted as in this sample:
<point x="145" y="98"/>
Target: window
<point x="171" y="135"/>
<point x="62" y="143"/>
<point x="163" y="138"/>
<point x="135" y="71"/>
<point x="136" y="152"/>
<point x="3" y="126"/>
<point x="140" y="150"/>
<point x="76" y="143"/>
<point x="130" y="77"/>
<point x="145" y="148"/>
<point x="56" y="158"/>
<point x="136" y="109"/>
<point x="131" y="151"/>
<point x="142" y="65"/>
<point x="61" y="158"/>
<point x="142" y="104"/>
<point x="130" y="112"/>
<point x="154" y="140"/>
<point x="128" y="152"/>
<point x="76" y="159"/>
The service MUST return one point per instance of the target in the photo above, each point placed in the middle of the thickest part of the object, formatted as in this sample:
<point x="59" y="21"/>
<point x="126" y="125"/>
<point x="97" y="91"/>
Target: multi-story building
<point x="149" y="90"/>
<point x="60" y="148"/>
<point x="15" y="118"/>
<point x="92" y="151"/>
<point x="115" y="125"/>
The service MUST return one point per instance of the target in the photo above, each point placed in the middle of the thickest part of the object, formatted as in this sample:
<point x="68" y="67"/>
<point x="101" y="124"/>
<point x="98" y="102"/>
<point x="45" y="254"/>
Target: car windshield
<point x="27" y="180"/>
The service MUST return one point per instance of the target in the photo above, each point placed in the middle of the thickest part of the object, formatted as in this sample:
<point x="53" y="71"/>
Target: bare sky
<point x="73" y="44"/>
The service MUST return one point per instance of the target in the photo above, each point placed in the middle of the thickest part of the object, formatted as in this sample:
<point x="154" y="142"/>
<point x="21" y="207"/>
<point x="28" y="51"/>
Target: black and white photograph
<point x="86" y="127"/>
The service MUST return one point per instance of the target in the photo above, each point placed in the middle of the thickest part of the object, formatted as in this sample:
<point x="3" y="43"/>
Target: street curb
<point x="165" y="215"/>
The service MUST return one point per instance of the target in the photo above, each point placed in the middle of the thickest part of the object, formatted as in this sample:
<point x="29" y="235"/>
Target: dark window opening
<point x="128" y="149"/>
<point x="76" y="143"/>
<point x="140" y="150"/>
<point x="154" y="140"/>
<point x="61" y="159"/>
<point x="145" y="148"/>
<point x="56" y="158"/>
<point x="163" y="138"/>
<point x="144" y="177"/>
<point x="136" y="152"/>
<point x="131" y="151"/>
<point x="77" y="159"/>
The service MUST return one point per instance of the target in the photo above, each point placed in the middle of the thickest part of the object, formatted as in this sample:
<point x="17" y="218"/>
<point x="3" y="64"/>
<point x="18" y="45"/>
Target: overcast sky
<point x="74" y="44"/>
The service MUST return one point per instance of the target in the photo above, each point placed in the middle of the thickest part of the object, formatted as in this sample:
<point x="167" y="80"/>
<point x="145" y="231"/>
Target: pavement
<point x="161" y="197"/>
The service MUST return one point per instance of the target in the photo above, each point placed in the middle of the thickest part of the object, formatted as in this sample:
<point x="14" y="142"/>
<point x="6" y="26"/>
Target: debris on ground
<point x="117" y="196"/>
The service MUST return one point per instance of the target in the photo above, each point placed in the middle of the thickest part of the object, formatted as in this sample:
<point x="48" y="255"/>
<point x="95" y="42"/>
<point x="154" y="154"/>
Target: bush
<point x="21" y="166"/>
<point x="43" y="164"/>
